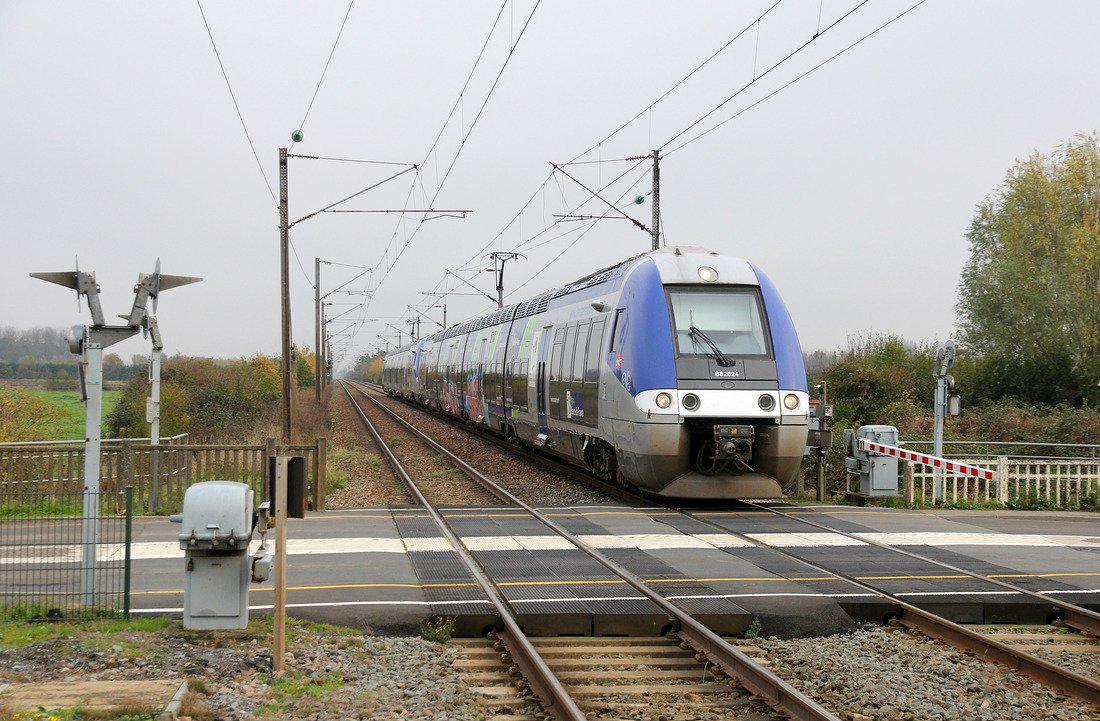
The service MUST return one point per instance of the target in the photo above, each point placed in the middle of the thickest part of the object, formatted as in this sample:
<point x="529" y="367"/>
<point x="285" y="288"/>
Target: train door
<point x="540" y="383"/>
<point x="592" y="375"/>
<point x="506" y="381"/>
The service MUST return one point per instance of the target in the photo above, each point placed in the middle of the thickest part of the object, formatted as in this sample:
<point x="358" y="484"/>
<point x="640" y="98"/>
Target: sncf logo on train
<point x="574" y="403"/>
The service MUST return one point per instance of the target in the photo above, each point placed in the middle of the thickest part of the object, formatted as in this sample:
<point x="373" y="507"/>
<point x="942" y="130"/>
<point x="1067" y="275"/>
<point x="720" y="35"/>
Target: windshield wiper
<point x="718" y="355"/>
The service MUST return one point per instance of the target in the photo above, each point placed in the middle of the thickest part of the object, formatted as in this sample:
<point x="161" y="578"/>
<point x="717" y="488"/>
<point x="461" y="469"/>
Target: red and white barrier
<point x="933" y="461"/>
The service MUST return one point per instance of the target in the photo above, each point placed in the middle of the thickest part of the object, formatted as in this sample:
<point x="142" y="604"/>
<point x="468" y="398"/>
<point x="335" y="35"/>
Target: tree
<point x="306" y="367"/>
<point x="29" y="367"/>
<point x="369" y="368"/>
<point x="26" y="418"/>
<point x="1029" y="305"/>
<point x="112" y="367"/>
<point x="212" y="400"/>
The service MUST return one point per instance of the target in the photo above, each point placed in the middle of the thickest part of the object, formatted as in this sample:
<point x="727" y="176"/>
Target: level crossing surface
<point x="386" y="569"/>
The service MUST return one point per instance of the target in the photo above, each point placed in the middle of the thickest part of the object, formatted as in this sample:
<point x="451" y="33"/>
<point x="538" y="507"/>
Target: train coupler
<point x="734" y="441"/>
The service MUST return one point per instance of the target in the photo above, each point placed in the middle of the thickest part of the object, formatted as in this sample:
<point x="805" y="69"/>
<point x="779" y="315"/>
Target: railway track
<point x="614" y="678"/>
<point x="773" y="696"/>
<point x="990" y="645"/>
<point x="974" y="640"/>
<point x="536" y="477"/>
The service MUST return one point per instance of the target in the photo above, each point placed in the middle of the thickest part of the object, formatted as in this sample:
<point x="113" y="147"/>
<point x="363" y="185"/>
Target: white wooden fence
<point x="1052" y="482"/>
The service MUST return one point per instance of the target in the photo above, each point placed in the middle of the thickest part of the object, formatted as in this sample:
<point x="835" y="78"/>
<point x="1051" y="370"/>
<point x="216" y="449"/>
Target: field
<point x="72" y="428"/>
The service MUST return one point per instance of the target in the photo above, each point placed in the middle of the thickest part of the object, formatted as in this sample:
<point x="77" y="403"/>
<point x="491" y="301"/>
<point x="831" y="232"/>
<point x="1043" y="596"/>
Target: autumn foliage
<point x="24" y="417"/>
<point x="223" y="401"/>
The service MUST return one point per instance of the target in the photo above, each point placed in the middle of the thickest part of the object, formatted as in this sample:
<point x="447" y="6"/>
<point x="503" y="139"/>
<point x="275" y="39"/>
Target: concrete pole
<point x="289" y="366"/>
<point x="656" y="229"/>
<point x="317" y="328"/>
<point x="324" y="347"/>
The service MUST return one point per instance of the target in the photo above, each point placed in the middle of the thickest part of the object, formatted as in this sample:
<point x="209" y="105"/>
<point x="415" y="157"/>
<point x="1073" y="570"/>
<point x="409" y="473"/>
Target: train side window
<point x="556" y="354"/>
<point x="570" y="349"/>
<point x="592" y="366"/>
<point x="579" y="356"/>
<point x="616" y="327"/>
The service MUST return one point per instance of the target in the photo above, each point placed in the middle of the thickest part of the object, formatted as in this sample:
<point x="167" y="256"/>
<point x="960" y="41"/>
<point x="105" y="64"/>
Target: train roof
<point x="539" y="303"/>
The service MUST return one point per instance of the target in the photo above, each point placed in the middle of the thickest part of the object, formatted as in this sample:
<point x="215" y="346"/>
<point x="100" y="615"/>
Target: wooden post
<point x="320" y="465"/>
<point x="908" y="483"/>
<point x="278" y="656"/>
<point x="126" y="464"/>
<point x="822" y="494"/>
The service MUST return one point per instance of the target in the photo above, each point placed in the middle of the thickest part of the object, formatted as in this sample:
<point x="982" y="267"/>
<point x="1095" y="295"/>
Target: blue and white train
<point x="678" y="372"/>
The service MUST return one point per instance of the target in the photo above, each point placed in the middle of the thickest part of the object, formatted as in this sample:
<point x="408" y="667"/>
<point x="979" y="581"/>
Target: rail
<point x="556" y="701"/>
<point x="776" y="692"/>
<point x="960" y="637"/>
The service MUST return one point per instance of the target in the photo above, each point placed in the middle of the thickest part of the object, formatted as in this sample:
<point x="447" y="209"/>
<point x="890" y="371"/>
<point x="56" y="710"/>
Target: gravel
<point x="874" y="675"/>
<point x="890" y="675"/>
<point x="331" y="674"/>
<point x="531" y="481"/>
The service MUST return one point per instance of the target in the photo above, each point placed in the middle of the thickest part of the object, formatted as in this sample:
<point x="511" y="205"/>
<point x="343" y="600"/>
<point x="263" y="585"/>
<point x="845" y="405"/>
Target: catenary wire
<point x="756" y="78"/>
<point x="466" y="135"/>
<point x="694" y="124"/>
<point x="795" y="80"/>
<point x="649" y="109"/>
<point x="325" y="70"/>
<point x="244" y="126"/>
<point x="681" y="81"/>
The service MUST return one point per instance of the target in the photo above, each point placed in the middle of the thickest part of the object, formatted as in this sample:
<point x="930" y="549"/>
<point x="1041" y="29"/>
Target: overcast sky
<point x="851" y="187"/>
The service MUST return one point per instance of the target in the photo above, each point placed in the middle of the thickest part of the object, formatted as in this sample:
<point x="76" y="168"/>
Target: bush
<point x="211" y="400"/>
<point x="24" y="417"/>
<point x="884" y="380"/>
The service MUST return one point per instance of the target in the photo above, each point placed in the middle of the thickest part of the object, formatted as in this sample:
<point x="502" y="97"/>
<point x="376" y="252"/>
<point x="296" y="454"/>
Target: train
<point x="677" y="373"/>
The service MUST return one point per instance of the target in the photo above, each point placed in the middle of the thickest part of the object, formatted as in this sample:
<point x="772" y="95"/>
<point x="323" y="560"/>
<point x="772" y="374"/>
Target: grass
<point x="49" y="611"/>
<point x="337" y="478"/>
<point x="72" y="428"/>
<point x="16" y="634"/>
<point x="40" y="509"/>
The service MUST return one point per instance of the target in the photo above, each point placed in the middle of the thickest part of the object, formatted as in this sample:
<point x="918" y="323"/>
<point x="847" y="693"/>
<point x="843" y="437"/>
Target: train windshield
<point x="718" y="323"/>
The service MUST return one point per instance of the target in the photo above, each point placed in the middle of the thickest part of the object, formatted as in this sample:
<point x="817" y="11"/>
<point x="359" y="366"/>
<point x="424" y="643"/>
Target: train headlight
<point x="664" y="400"/>
<point x="690" y="402"/>
<point x="708" y="274"/>
<point x="790" y="401"/>
<point x="766" y="402"/>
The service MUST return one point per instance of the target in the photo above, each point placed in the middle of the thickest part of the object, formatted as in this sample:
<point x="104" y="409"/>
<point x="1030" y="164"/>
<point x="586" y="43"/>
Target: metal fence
<point x="159" y="474"/>
<point x="64" y="555"/>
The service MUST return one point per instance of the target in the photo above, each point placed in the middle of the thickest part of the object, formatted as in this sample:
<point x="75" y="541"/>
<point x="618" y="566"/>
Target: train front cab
<point x="745" y="419"/>
<point x="725" y="401"/>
